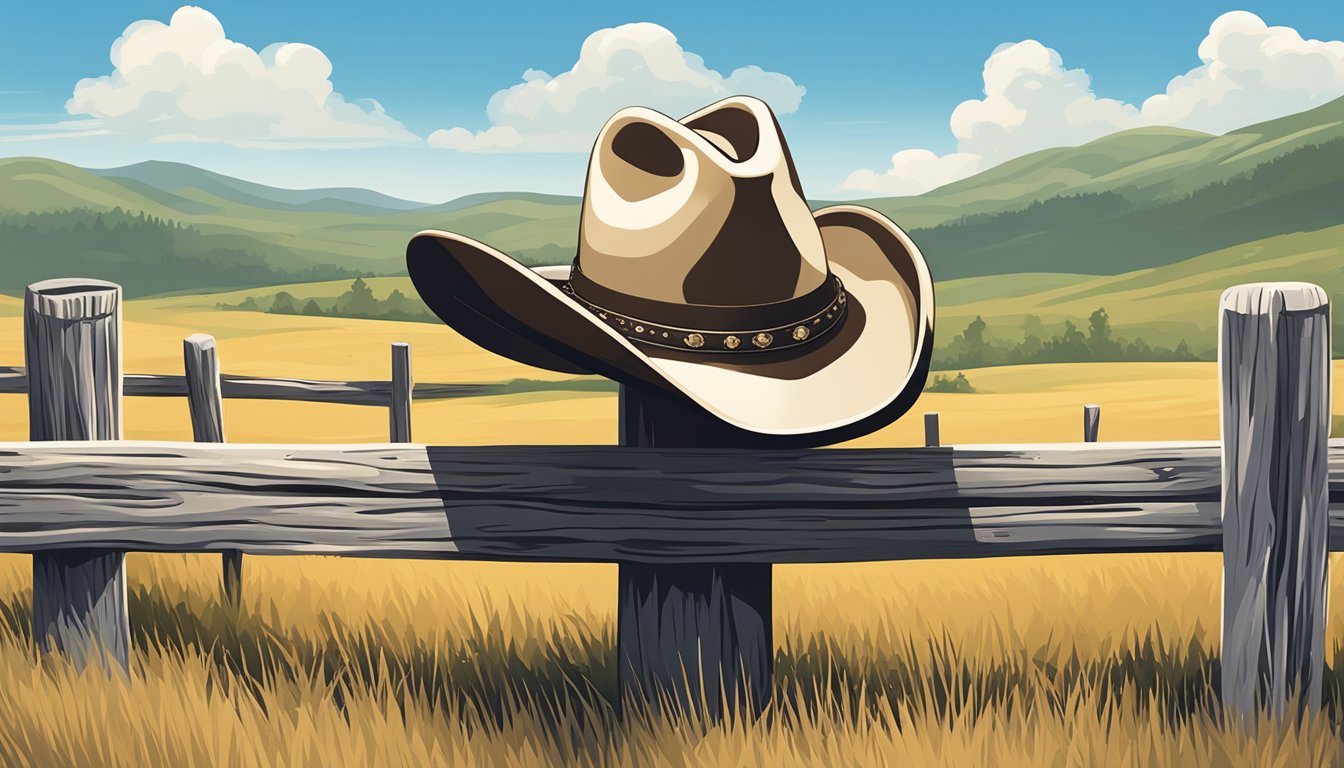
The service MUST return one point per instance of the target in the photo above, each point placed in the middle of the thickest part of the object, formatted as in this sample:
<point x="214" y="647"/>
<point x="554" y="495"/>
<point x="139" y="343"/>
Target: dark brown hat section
<point x="703" y="277"/>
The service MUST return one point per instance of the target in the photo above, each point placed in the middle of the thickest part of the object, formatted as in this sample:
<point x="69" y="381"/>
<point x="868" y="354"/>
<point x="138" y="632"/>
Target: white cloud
<point x="914" y="171"/>
<point x="630" y="64"/>
<point x="186" y="81"/>
<point x="1251" y="72"/>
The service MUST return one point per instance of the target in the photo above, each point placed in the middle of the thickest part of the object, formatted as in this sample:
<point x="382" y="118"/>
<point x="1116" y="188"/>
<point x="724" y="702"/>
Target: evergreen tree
<point x="1099" y="340"/>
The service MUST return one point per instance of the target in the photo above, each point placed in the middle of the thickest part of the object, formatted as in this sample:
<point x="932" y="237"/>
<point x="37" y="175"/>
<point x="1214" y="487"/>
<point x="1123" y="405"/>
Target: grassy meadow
<point x="1084" y="660"/>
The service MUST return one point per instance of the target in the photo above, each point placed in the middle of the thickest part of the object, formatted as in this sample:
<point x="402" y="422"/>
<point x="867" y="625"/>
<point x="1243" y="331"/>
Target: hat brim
<point x="859" y="378"/>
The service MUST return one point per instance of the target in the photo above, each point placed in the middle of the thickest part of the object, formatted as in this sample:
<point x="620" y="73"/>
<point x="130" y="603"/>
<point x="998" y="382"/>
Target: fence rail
<point x="13" y="381"/>
<point x="620" y="504"/>
<point x="694" y="530"/>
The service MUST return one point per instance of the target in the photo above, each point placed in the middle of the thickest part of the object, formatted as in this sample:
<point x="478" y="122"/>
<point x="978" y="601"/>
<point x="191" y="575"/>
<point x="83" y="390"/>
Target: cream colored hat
<point x="702" y="274"/>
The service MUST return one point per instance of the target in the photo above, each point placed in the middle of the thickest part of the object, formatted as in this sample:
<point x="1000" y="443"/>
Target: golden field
<point x="1087" y="660"/>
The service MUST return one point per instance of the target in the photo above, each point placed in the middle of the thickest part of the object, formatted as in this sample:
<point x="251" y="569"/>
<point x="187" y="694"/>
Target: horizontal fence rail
<point x="620" y="504"/>
<point x="233" y="386"/>
<point x="694" y="527"/>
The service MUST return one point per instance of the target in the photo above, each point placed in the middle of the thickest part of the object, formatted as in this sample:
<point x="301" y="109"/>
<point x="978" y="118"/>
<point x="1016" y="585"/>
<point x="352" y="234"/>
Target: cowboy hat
<point x="702" y="275"/>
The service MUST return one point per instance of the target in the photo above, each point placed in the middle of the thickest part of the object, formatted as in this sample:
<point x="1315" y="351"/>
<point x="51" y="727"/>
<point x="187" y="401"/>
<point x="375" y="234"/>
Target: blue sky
<point x="855" y="84"/>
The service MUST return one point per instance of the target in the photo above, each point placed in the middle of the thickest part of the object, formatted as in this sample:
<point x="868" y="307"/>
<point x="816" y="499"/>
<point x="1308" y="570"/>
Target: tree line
<point x="358" y="301"/>
<point x="976" y="348"/>
<point x="145" y="254"/>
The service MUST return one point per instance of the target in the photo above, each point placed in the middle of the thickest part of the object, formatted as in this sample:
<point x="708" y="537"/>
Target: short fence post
<point x="1274" y="355"/>
<point x="698" y="635"/>
<point x="399" y="408"/>
<point x="72" y="350"/>
<point x="1091" y="422"/>
<point x="931" y="438"/>
<point x="206" y="403"/>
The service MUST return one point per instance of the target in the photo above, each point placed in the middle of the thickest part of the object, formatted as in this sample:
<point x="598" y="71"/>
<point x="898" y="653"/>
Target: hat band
<point x="741" y="337"/>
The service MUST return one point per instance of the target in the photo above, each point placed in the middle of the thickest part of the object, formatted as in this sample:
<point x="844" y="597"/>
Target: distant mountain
<point x="1134" y="200"/>
<point x="180" y="180"/>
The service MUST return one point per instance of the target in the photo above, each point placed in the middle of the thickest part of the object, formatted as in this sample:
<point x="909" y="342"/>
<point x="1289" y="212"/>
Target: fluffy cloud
<point x="914" y="171"/>
<point x="1251" y="72"/>
<point x="186" y="81"/>
<point x="630" y="64"/>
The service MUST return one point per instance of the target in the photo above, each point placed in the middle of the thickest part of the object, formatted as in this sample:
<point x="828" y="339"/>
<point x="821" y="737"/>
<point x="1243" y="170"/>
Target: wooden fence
<point x="694" y="530"/>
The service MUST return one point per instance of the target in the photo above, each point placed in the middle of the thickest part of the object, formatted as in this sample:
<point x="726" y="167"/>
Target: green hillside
<point x="1163" y="307"/>
<point x="57" y="204"/>
<point x="171" y="177"/>
<point x="1135" y="200"/>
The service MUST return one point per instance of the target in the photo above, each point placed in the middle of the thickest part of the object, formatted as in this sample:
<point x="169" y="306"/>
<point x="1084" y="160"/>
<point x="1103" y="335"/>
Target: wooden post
<point x="931" y="439"/>
<point x="399" y="409"/>
<point x="1091" y="422"/>
<point x="1274" y="344"/>
<point x="697" y="635"/>
<point x="72" y="350"/>
<point x="206" y="404"/>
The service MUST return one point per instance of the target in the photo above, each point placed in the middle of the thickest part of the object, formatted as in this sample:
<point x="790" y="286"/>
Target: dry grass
<point x="1047" y="661"/>
<point x="1038" y="661"/>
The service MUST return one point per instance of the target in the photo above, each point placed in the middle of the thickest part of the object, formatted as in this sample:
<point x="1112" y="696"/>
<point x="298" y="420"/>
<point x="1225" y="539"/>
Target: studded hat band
<point x="801" y="329"/>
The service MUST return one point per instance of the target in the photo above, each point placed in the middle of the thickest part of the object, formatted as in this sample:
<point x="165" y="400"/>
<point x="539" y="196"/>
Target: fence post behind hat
<point x="399" y="407"/>
<point x="72" y="351"/>
<point x="1091" y="422"/>
<point x="699" y="635"/>
<point x="200" y="361"/>
<point x="1274" y="359"/>
<point x="931" y="437"/>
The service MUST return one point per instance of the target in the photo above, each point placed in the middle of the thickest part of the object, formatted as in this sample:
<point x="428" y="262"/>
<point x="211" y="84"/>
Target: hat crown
<point x="703" y="211"/>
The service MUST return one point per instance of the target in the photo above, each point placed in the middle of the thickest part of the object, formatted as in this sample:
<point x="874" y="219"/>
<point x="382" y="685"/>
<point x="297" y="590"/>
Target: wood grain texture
<point x="72" y="349"/>
<point x="399" y="402"/>
<point x="1091" y="423"/>
<point x="205" y="402"/>
<point x="1275" y="366"/>
<point x="620" y="504"/>
<point x="699" y="634"/>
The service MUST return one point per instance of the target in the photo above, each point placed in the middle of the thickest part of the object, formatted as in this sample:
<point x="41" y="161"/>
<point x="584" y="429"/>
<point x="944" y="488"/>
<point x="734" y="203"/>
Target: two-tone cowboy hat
<point x="703" y="275"/>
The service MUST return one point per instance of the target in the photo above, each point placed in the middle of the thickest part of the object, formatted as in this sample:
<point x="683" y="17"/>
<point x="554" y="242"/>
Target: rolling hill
<point x="1135" y="200"/>
<point x="178" y="177"/>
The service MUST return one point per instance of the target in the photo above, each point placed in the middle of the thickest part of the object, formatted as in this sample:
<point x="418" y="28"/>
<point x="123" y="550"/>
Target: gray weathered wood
<point x="399" y="407"/>
<point x="232" y="386"/>
<point x="206" y="403"/>
<point x="594" y="503"/>
<point x="204" y="399"/>
<point x="1091" y="422"/>
<point x="1275" y="367"/>
<point x="72" y="350"/>
<point x="697" y="634"/>
<point x="931" y="437"/>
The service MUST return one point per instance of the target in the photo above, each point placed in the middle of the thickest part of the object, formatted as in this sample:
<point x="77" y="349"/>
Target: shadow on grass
<point x="568" y="677"/>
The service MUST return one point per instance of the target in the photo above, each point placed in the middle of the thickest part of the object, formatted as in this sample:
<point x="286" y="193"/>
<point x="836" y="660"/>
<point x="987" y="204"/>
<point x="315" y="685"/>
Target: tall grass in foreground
<point x="1039" y="661"/>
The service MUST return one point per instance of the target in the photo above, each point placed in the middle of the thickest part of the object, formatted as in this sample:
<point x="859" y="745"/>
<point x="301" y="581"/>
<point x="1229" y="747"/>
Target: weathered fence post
<point x="72" y="351"/>
<point x="399" y="409"/>
<point x="931" y="438"/>
<point x="206" y="403"/>
<point x="1091" y="422"/>
<point x="697" y="634"/>
<point x="1274" y="344"/>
